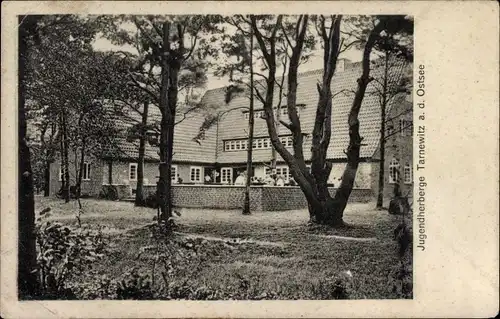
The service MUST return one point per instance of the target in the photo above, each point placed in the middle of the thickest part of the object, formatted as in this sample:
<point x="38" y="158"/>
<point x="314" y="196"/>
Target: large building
<point x="222" y="154"/>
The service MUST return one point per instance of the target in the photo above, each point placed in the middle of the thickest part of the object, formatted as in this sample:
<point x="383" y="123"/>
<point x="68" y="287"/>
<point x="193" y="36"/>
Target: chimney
<point x="342" y="64"/>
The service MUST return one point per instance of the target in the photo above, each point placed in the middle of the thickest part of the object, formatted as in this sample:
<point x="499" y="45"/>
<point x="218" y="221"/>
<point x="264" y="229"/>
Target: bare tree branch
<point x="399" y="131"/>
<point x="260" y="41"/>
<point x="287" y="125"/>
<point x="137" y="84"/>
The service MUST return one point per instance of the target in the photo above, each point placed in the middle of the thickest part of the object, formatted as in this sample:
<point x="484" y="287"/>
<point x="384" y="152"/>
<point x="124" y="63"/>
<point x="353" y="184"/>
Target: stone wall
<point x="287" y="198"/>
<point x="262" y="198"/>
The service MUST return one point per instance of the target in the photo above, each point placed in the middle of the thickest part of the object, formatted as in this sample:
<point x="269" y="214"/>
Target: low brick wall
<point x="215" y="196"/>
<point x="287" y="198"/>
<point x="262" y="198"/>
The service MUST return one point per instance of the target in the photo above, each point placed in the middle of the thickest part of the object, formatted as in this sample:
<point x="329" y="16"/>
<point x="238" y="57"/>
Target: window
<point x="173" y="173"/>
<point x="195" y="174"/>
<point x="393" y="171"/>
<point x="409" y="128"/>
<point x="132" y="172"/>
<point x="265" y="143"/>
<point x="86" y="171"/>
<point x="236" y="145"/>
<point x="254" y="144"/>
<point x="287" y="141"/>
<point x="259" y="143"/>
<point x="226" y="175"/>
<point x="284" y="172"/>
<point x="407" y="173"/>
<point x="246" y="116"/>
<point x="406" y="127"/>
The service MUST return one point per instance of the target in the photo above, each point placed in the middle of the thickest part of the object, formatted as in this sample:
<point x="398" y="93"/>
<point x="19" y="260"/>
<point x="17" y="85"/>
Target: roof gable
<point x="344" y="83"/>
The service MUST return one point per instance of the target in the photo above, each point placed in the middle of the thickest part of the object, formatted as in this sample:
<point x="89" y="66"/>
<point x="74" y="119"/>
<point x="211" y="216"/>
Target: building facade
<point x="222" y="154"/>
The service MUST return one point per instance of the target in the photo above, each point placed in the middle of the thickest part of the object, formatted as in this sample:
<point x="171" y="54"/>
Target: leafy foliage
<point x="109" y="192"/>
<point x="134" y="285"/>
<point x="67" y="86"/>
<point x="401" y="275"/>
<point x="63" y="253"/>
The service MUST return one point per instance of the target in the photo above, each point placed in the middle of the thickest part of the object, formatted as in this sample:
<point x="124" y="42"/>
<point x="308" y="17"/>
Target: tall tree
<point x="391" y="79"/>
<point x="246" y="204"/>
<point x="43" y="139"/>
<point x="26" y="276"/>
<point x="134" y="103"/>
<point x="58" y="36"/>
<point x="395" y="51"/>
<point x="323" y="208"/>
<point x="239" y="61"/>
<point x="164" y="39"/>
<point x="93" y="128"/>
<point x="35" y="32"/>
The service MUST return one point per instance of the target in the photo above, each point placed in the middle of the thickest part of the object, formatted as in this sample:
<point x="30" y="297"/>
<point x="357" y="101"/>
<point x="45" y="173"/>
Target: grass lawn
<point x="267" y="255"/>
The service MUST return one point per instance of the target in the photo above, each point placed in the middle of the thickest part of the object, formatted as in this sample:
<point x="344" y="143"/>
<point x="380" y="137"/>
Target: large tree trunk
<point x="171" y="64"/>
<point x="65" y="158"/>
<point x="164" y="126"/>
<point x="321" y="209"/>
<point x="78" y="186"/>
<point x="380" y="197"/>
<point x="26" y="276"/>
<point x="172" y="106"/>
<point x="337" y="207"/>
<point x="246" y="204"/>
<point x="139" y="193"/>
<point x="46" y="179"/>
<point x="296" y="161"/>
<point x="110" y="172"/>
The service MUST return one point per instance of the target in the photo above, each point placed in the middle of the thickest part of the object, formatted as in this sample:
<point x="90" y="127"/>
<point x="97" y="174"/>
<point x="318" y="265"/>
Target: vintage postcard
<point x="249" y="159"/>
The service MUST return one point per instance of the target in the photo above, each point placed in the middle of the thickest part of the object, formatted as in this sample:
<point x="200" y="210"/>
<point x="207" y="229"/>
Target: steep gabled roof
<point x="185" y="148"/>
<point x="234" y="124"/>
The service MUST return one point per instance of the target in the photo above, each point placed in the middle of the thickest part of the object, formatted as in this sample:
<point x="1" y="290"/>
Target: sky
<point x="315" y="62"/>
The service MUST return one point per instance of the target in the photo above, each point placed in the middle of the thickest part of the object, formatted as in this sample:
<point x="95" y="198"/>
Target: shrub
<point x="135" y="285"/>
<point x="109" y="192"/>
<point x="401" y="276"/>
<point x="333" y="288"/>
<point x="62" y="253"/>
<point x="151" y="201"/>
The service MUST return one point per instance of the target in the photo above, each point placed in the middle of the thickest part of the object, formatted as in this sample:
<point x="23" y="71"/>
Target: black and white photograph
<point x="249" y="159"/>
<point x="213" y="157"/>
